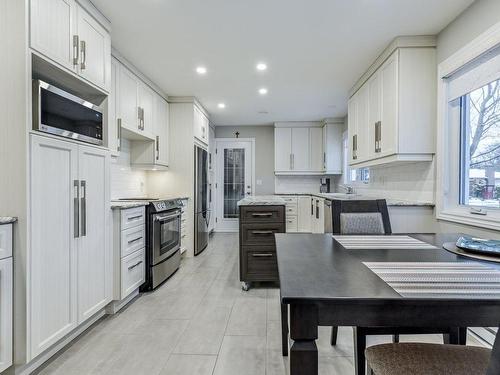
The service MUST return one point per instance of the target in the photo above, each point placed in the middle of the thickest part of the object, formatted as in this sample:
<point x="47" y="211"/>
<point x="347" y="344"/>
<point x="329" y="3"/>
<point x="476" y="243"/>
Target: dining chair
<point x="371" y="217"/>
<point x="433" y="359"/>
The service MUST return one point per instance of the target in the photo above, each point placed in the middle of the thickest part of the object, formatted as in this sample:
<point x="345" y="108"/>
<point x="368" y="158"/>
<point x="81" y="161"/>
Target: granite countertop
<point x="342" y="196"/>
<point x="262" y="200"/>
<point x="7" y="219"/>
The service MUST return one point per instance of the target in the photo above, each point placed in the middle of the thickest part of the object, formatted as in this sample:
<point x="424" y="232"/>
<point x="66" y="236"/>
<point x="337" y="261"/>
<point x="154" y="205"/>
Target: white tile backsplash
<point x="125" y="181"/>
<point x="297" y="184"/>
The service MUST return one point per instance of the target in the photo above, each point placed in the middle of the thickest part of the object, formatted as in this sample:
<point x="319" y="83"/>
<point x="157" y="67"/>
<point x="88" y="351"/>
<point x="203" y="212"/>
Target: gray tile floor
<point x="201" y="323"/>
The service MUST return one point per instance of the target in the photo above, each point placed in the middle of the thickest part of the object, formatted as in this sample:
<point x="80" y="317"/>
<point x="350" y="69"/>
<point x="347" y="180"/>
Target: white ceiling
<point x="315" y="49"/>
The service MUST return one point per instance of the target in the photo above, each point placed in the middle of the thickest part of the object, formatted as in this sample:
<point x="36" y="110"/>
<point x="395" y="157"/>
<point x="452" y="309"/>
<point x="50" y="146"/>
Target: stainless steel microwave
<point x="58" y="112"/>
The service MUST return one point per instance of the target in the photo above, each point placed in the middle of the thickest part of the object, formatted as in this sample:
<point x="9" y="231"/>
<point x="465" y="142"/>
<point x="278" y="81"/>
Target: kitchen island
<point x="260" y="217"/>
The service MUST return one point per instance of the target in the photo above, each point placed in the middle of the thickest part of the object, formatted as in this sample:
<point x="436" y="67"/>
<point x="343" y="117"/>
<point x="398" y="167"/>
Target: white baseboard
<point x="31" y="366"/>
<point x="116" y="306"/>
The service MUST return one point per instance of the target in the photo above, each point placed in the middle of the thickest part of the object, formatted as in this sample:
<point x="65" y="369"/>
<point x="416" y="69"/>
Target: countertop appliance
<point x="163" y="240"/>
<point x="201" y="208"/>
<point x="58" y="112"/>
<point x="325" y="185"/>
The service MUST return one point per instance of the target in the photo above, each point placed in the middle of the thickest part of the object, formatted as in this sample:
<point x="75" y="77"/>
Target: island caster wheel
<point x="245" y="286"/>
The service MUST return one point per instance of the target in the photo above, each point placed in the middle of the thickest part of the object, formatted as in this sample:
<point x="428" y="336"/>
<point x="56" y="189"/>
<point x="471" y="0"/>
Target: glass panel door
<point x="234" y="180"/>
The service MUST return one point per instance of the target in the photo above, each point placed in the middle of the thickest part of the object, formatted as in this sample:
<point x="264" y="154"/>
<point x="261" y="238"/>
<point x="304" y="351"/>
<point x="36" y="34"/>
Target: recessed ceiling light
<point x="221" y="105"/>
<point x="201" y="70"/>
<point x="261" y="66"/>
<point x="263" y="91"/>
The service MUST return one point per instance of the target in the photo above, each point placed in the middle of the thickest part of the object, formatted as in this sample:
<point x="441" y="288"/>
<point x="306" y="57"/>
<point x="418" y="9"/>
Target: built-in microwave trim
<point x="38" y="85"/>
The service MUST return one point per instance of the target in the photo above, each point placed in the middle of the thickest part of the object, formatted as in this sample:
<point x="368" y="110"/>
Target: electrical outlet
<point x="258" y="182"/>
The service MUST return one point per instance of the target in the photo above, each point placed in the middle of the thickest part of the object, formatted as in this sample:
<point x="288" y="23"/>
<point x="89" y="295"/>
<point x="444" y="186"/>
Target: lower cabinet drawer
<point x="133" y="272"/>
<point x="291" y="224"/>
<point x="259" y="264"/>
<point x="260" y="234"/>
<point x="132" y="239"/>
<point x="132" y="217"/>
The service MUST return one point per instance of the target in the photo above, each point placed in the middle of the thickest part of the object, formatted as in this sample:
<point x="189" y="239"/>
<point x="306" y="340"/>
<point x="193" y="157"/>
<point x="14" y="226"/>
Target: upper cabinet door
<point x="6" y="301"/>
<point x="126" y="100"/>
<point x="352" y="128"/>
<point x="161" y="122"/>
<point x="146" y="100"/>
<point x="201" y="125"/>
<point x="113" y="129"/>
<point x="362" y="107"/>
<point x="374" y="115"/>
<point x="389" y="107"/>
<point x="52" y="30"/>
<point x="318" y="157"/>
<point x="94" y="256"/>
<point x="53" y="254"/>
<point x="94" y="50"/>
<point x="282" y="149"/>
<point x="301" y="160"/>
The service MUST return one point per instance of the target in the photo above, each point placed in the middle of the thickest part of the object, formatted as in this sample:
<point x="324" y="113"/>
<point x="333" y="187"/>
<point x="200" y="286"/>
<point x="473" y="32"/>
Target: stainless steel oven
<point x="166" y="234"/>
<point x="58" y="112"/>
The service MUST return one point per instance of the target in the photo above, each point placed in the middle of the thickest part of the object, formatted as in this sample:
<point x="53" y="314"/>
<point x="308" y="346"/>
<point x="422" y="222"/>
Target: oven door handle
<point x="166" y="217"/>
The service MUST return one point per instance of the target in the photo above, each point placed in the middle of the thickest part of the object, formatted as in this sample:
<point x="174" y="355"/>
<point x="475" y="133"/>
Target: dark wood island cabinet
<point x="258" y="222"/>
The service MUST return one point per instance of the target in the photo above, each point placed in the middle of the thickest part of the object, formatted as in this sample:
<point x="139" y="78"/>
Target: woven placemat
<point x="452" y="248"/>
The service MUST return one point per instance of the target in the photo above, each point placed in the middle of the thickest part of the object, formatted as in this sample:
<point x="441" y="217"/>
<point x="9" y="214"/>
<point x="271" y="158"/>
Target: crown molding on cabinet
<point x="418" y="41"/>
<point x="96" y="13"/>
<point x="334" y="121"/>
<point x="189" y="99"/>
<point x="118" y="56"/>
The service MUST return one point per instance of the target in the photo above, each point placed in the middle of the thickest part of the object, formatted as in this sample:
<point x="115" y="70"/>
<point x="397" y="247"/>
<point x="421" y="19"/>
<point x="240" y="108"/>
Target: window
<point x="468" y="144"/>
<point x="480" y="146"/>
<point x="353" y="174"/>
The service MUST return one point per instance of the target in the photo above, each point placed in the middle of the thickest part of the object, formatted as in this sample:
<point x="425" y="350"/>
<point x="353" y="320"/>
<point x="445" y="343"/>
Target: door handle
<point x="263" y="214"/>
<point x="317" y="209"/>
<point x="157" y="147"/>
<point x="130" y="242"/>
<point x="83" y="47"/>
<point x="263" y="255"/>
<point x="135" y="265"/>
<point x="262" y="232"/>
<point x="119" y="134"/>
<point x="76" y="209"/>
<point x="76" y="50"/>
<point x="83" y="205"/>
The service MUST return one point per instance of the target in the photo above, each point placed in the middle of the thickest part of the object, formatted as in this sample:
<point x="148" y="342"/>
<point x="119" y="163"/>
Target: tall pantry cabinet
<point x="70" y="259"/>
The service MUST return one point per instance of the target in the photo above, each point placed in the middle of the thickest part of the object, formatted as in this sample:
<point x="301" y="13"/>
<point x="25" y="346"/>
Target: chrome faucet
<point x="348" y="189"/>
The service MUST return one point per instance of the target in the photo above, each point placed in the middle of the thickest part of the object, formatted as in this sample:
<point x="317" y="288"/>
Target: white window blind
<point x="480" y="72"/>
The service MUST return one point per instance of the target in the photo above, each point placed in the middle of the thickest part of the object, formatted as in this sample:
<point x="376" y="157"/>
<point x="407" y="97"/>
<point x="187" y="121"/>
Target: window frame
<point x="448" y="184"/>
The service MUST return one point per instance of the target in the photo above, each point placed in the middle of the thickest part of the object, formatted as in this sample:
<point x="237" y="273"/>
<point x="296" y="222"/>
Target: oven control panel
<point x="160" y="206"/>
<point x="166" y="205"/>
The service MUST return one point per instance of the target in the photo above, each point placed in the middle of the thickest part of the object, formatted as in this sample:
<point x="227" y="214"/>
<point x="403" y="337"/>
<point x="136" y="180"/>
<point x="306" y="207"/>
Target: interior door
<point x="94" y="257"/>
<point x="53" y="253"/>
<point x="95" y="50"/>
<point x="234" y="180"/>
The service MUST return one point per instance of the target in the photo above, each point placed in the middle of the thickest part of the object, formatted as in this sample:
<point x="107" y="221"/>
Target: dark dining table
<point x="324" y="284"/>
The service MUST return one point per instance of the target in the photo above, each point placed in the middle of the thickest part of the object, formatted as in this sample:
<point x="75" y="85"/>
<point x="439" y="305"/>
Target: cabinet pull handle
<point x="157" y="147"/>
<point x="378" y="136"/>
<point x="262" y="214"/>
<point x="134" y="217"/>
<point x="312" y="207"/>
<point x="76" y="50"/>
<point x="291" y="161"/>
<point x="139" y="117"/>
<point x="135" y="265"/>
<point x="262" y="255"/>
<point x="76" y="209"/>
<point x="119" y="134"/>
<point x="355" y="146"/>
<point x="130" y="242"/>
<point x="83" y="47"/>
<point x="83" y="204"/>
<point x="262" y="232"/>
<point x="317" y="209"/>
<point x="324" y="160"/>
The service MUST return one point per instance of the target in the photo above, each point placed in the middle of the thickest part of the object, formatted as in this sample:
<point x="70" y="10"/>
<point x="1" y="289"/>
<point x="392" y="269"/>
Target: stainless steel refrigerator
<point x="201" y="207"/>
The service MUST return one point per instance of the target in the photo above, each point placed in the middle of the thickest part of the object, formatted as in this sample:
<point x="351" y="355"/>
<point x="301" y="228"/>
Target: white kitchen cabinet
<point x="391" y="113"/>
<point x="52" y="29"/>
<point x="282" y="149"/>
<point x="154" y="154"/>
<point x="201" y="126"/>
<point x="113" y="130"/>
<point x="6" y="296"/>
<point x="67" y="257"/>
<point x="145" y="99"/>
<point x="94" y="259"/>
<point x="63" y="31"/>
<point x="301" y="157"/>
<point x="127" y="100"/>
<point x="291" y="213"/>
<point x="95" y="50"/>
<point x="332" y="148"/>
<point x="316" y="152"/>
<point x="53" y="256"/>
<point x="129" y="241"/>
<point x="304" y="214"/>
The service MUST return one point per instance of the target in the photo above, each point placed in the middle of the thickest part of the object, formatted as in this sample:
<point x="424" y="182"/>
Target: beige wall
<point x="264" y="152"/>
